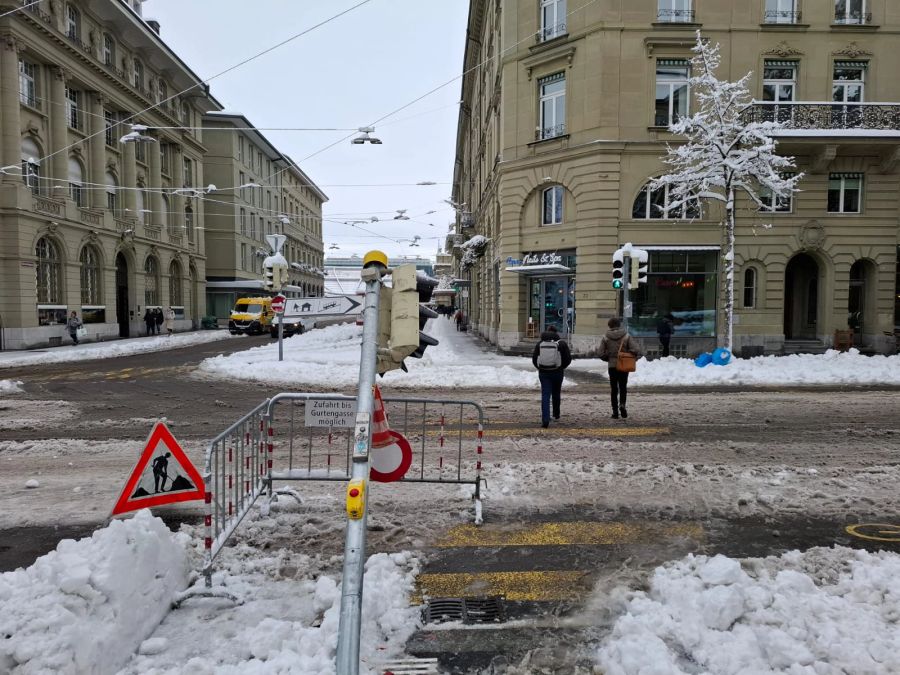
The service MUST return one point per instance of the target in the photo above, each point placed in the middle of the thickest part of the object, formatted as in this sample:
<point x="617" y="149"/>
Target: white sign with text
<point x="323" y="412"/>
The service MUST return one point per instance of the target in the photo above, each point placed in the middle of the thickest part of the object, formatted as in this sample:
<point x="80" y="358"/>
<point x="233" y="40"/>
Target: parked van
<point x="252" y="316"/>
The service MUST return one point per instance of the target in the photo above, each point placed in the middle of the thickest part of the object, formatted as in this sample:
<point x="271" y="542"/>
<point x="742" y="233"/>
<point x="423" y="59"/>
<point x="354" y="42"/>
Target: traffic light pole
<point x="281" y="335"/>
<point x="626" y="302"/>
<point x="347" y="659"/>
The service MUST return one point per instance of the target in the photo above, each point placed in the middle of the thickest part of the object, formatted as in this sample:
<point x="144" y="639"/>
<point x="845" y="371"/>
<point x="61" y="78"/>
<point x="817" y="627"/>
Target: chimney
<point x="154" y="25"/>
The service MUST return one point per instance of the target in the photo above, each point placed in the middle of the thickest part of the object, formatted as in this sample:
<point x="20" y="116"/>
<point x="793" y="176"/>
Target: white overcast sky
<point x="345" y="74"/>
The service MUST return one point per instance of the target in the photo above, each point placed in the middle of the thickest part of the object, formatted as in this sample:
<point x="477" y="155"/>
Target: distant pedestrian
<point x="551" y="357"/>
<point x="170" y="320"/>
<point x="149" y="321"/>
<point x="664" y="329"/>
<point x="157" y="319"/>
<point x="617" y="339"/>
<point x="460" y="320"/>
<point x="72" y="325"/>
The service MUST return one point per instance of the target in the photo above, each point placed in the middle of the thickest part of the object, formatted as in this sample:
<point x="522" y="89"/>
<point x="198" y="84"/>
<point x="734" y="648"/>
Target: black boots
<point x="615" y="414"/>
<point x="623" y="411"/>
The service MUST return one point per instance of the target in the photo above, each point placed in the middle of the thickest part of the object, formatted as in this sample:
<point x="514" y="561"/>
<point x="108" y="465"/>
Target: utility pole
<point x="347" y="658"/>
<point x="626" y="301"/>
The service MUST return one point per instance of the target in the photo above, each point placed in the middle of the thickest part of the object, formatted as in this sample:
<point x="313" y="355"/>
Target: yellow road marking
<point x="562" y="534"/>
<point x="521" y="586"/>
<point x="556" y="431"/>
<point x="871" y="530"/>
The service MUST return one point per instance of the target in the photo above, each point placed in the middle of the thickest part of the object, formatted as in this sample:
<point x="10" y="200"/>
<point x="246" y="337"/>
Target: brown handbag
<point x="626" y="362"/>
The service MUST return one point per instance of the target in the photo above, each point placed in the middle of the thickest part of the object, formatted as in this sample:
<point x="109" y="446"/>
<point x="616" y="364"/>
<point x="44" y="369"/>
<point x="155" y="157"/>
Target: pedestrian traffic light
<point x="618" y="273"/>
<point x="269" y="275"/>
<point x="639" y="258"/>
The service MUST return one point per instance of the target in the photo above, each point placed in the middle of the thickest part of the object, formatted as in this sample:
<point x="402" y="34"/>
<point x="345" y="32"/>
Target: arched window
<point x="552" y="205"/>
<point x="112" y="193"/>
<point x="49" y="272"/>
<point x="90" y="276"/>
<point x="164" y="218"/>
<point x="189" y="222"/>
<point x="657" y="205"/>
<point x="76" y="182"/>
<point x="175" y="283"/>
<point x="151" y="282"/>
<point x="750" y="284"/>
<point x="31" y="164"/>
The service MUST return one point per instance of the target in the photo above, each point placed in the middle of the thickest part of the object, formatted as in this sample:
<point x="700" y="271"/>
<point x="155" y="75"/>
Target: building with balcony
<point x="565" y="119"/>
<point x="88" y="223"/>
<point x="262" y="192"/>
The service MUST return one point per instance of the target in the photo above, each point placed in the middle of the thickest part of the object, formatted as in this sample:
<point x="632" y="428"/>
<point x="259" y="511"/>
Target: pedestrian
<point x="149" y="321"/>
<point x="459" y="320"/>
<point x="170" y="320"/>
<point x="157" y="319"/>
<point x="551" y="357"/>
<point x="664" y="329"/>
<point x="617" y="339"/>
<point x="73" y="324"/>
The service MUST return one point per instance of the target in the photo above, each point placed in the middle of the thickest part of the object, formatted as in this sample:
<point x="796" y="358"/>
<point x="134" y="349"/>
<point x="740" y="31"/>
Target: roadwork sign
<point x="162" y="475"/>
<point x="337" y="306"/>
<point x="329" y="413"/>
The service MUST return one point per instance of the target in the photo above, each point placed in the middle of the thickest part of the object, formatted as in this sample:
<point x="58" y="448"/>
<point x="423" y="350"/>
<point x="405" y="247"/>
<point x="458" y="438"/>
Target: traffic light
<point x="407" y="317"/>
<point x="269" y="275"/>
<point x="275" y="272"/>
<point x="618" y="272"/>
<point x="639" y="258"/>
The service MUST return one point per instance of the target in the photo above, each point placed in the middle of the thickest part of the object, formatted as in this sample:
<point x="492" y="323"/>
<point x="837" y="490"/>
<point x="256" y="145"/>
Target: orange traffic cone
<point x="381" y="432"/>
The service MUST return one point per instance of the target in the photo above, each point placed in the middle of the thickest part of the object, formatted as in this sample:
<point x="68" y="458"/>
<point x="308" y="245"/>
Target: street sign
<point x="162" y="475"/>
<point x="276" y="241"/>
<point x="336" y="306"/>
<point x="330" y="413"/>
<point x="278" y="304"/>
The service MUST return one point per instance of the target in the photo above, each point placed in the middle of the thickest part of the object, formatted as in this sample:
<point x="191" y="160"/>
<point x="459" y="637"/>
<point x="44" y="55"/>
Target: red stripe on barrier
<point x="271" y="431"/>
<point x="247" y="463"/>
<point x="247" y="487"/>
<point x="230" y="509"/>
<point x="230" y="455"/>
<point x="479" y="450"/>
<point x="208" y="521"/>
<point x="270" y="465"/>
<point x="478" y="466"/>
<point x="208" y="542"/>
<point x="329" y="438"/>
<point x="440" y="462"/>
<point x="271" y="447"/>
<point x="230" y="483"/>
<point x="207" y="498"/>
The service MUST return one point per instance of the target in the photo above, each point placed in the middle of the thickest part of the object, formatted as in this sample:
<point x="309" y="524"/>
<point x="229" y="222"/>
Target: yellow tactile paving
<point x="568" y="533"/>
<point x="614" y="431"/>
<point x="518" y="586"/>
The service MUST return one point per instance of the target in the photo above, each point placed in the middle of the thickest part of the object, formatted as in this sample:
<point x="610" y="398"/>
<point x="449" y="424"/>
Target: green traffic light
<point x="617" y="284"/>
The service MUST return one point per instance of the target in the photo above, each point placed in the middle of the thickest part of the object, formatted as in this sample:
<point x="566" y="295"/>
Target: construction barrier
<point x="309" y="437"/>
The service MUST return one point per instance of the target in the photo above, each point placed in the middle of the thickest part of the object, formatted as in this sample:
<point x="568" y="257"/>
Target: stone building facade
<point x="88" y="223"/>
<point x="271" y="195"/>
<point x="564" y="121"/>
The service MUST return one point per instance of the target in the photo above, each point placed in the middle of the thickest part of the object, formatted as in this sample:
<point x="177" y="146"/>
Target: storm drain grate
<point x="409" y="666"/>
<point x="488" y="609"/>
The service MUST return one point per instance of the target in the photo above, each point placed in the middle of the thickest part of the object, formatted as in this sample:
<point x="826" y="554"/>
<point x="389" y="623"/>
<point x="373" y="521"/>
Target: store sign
<point x="536" y="259"/>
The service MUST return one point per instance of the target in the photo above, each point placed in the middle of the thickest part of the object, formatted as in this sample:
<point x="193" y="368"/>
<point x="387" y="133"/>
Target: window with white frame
<point x="782" y="11"/>
<point x="73" y="22"/>
<point x="849" y="82"/>
<point x="661" y="204"/>
<point x="73" y="113"/>
<point x="851" y="12"/>
<point x="552" y="205"/>
<point x="76" y="182"/>
<point x="845" y="192"/>
<point x="165" y="151"/>
<point x="552" y="91"/>
<point x="672" y="91"/>
<point x="188" y="173"/>
<point x="243" y="222"/>
<point x="49" y="272"/>
<point x="553" y="19"/>
<point x="109" y="50"/>
<point x="779" y="81"/>
<point x="27" y="86"/>
<point x="750" y="288"/>
<point x="110" y="131"/>
<point x="31" y="164"/>
<point x="138" y="75"/>
<point x="774" y="204"/>
<point x="89" y="260"/>
<point x="675" y="11"/>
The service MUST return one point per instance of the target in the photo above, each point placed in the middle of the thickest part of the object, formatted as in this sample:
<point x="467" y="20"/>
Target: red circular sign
<point x="278" y="304"/>
<point x="391" y="462"/>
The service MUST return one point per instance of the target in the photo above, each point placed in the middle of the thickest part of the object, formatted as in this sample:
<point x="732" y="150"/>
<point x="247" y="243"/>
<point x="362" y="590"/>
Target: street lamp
<point x="365" y="137"/>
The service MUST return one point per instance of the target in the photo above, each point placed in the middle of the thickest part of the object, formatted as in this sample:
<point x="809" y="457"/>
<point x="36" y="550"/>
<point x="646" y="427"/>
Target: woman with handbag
<point x="620" y="351"/>
<point x="74" y="325"/>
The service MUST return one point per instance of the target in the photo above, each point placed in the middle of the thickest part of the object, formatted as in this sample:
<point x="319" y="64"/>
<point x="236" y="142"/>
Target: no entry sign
<point x="278" y="304"/>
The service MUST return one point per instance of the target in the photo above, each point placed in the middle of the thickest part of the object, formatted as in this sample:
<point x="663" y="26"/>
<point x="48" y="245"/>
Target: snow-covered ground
<point x="8" y="387"/>
<point x="108" y="350"/>
<point x="331" y="355"/>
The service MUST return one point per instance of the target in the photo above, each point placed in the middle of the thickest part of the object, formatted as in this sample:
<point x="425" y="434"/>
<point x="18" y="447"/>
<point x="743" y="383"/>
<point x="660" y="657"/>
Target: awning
<point x="540" y="270"/>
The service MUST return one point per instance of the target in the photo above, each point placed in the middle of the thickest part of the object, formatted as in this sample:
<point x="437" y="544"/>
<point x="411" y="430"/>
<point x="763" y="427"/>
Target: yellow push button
<point x="356" y="498"/>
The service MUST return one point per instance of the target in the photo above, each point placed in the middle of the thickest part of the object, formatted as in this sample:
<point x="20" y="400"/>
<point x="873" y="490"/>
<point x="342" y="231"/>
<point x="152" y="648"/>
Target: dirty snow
<point x="9" y="387"/>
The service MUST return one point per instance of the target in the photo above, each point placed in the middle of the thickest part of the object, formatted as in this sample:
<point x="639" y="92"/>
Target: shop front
<point x="682" y="281"/>
<point x="550" y="279"/>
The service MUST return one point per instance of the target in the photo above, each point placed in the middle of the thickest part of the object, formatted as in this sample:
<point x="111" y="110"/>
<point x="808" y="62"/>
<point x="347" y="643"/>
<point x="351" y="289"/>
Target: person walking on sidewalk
<point x="149" y="321"/>
<point x="72" y="325"/>
<point x="617" y="338"/>
<point x="157" y="319"/>
<point x="551" y="357"/>
<point x="170" y="320"/>
<point x="664" y="329"/>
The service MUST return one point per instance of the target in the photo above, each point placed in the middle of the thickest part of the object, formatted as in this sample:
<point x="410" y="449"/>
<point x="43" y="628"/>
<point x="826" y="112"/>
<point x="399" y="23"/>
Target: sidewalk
<point x="110" y="349"/>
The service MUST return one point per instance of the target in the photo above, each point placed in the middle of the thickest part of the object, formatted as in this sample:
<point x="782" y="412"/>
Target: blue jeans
<point x="551" y="385"/>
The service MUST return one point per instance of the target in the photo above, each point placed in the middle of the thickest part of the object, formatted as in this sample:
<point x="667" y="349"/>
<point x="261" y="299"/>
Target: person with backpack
<point x="617" y="340"/>
<point x="551" y="357"/>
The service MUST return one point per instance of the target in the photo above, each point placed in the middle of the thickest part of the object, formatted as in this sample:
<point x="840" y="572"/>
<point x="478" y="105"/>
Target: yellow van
<point x="252" y="316"/>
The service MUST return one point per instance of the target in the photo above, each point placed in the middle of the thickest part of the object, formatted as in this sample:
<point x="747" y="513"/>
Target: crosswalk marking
<point x="568" y="533"/>
<point x="516" y="586"/>
<point x="571" y="432"/>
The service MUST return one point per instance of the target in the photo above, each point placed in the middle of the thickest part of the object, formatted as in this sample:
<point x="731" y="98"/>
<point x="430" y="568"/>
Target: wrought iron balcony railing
<point x="35" y="9"/>
<point x="853" y="19"/>
<point x="550" y="32"/>
<point x="805" y="116"/>
<point x="783" y="16"/>
<point x="544" y="133"/>
<point x="675" y="16"/>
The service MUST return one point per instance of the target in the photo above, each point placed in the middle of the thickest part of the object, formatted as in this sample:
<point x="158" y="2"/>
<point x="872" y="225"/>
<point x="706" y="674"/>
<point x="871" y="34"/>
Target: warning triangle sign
<point x="162" y="475"/>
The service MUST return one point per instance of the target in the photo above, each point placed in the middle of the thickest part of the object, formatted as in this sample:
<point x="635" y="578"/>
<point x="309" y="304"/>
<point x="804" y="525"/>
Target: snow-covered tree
<point x="723" y="155"/>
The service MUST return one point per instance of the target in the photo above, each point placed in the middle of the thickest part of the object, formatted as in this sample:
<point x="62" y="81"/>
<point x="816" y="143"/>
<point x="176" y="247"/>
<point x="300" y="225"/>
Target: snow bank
<point x="86" y="607"/>
<point x="822" y="611"/>
<point x="9" y="387"/>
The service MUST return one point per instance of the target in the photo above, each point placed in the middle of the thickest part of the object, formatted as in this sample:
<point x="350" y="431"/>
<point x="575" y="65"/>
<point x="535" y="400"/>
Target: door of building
<point x="553" y="303"/>
<point x="801" y="298"/>
<point x="122" y="295"/>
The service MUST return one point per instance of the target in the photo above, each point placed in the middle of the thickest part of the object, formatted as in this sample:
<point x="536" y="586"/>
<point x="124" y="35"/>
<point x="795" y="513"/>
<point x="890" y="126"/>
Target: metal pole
<point x="281" y="335"/>
<point x="626" y="268"/>
<point x="347" y="660"/>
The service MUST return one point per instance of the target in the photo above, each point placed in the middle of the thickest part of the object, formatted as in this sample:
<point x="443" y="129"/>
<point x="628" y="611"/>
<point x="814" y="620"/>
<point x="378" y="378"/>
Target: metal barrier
<point x="245" y="460"/>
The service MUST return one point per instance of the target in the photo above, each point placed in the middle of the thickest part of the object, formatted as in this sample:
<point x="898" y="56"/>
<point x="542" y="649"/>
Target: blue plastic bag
<point x="703" y="360"/>
<point x="721" y="356"/>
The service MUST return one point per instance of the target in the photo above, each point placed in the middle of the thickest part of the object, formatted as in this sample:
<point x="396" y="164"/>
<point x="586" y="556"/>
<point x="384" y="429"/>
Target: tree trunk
<point x="729" y="269"/>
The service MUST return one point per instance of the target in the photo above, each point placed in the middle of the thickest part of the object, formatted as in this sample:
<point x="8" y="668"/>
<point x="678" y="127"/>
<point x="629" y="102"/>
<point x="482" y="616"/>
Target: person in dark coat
<point x="157" y="319"/>
<point x="149" y="321"/>
<point x="664" y="329"/>
<point x="551" y="357"/>
<point x="72" y="325"/>
<point x="617" y="337"/>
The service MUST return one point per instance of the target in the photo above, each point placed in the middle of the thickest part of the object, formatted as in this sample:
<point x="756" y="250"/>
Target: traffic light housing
<point x="401" y="318"/>
<point x="275" y="272"/>
<point x="639" y="264"/>
<point x="269" y="275"/>
<point x="618" y="271"/>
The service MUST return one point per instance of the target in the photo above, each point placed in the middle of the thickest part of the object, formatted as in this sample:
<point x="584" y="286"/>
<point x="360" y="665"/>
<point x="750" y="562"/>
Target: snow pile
<point x="86" y="607"/>
<point x="8" y="387"/>
<point x="822" y="611"/>
<point x="329" y="357"/>
<point x="832" y="368"/>
<point x="108" y="350"/>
